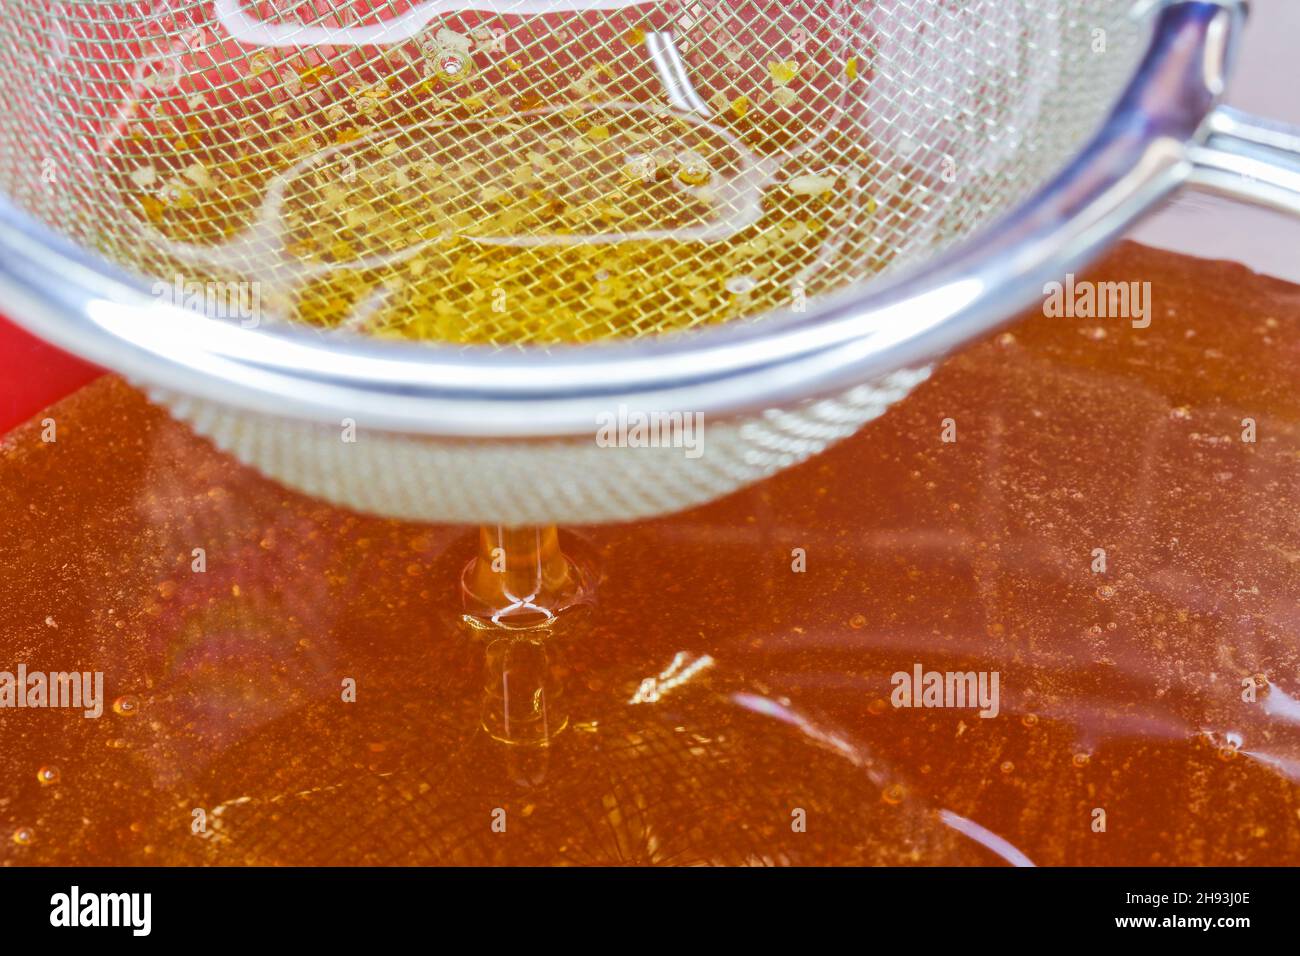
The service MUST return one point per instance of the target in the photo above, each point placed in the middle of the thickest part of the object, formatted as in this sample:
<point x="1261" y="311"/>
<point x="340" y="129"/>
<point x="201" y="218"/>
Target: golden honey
<point x="717" y="706"/>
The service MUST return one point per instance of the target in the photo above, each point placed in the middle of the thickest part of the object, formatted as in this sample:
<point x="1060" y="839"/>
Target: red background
<point x="34" y="375"/>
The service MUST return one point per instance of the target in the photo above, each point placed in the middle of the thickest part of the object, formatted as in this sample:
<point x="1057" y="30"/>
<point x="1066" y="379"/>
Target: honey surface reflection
<point x="713" y="691"/>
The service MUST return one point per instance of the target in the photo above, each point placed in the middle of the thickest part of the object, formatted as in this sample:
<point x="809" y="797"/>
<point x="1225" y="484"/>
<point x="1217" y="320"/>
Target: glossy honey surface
<point x="715" y="705"/>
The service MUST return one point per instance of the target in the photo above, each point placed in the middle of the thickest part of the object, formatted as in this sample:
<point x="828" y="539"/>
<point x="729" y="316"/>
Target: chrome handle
<point x="1249" y="158"/>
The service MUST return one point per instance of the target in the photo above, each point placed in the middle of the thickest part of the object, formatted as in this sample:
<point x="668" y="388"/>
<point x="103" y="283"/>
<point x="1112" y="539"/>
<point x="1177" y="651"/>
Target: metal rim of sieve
<point x="1166" y="130"/>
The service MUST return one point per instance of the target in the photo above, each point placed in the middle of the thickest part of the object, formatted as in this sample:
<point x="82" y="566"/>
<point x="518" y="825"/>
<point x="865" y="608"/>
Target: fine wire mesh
<point x="157" y="133"/>
<point x="509" y="177"/>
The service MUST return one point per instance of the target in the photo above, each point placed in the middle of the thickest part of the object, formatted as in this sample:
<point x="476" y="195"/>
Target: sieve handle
<point x="1249" y="158"/>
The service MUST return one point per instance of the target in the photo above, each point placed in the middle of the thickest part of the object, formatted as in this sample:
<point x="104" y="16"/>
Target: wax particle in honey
<point x="782" y="72"/>
<point x="694" y="169"/>
<point x="851" y="68"/>
<point x="811" y="184"/>
<point x="634" y="37"/>
<point x="740" y="106"/>
<point x="153" y="207"/>
<point x="783" y="96"/>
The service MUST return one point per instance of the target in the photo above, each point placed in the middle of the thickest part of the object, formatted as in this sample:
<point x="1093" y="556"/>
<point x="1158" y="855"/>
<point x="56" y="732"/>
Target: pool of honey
<point x="506" y="207"/>
<point x="717" y="705"/>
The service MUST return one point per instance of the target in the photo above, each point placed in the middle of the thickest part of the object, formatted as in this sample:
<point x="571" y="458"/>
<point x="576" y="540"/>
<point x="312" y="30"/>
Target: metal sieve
<point x="774" y="216"/>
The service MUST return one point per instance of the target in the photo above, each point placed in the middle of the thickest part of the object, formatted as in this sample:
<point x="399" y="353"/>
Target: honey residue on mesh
<point x="461" y="210"/>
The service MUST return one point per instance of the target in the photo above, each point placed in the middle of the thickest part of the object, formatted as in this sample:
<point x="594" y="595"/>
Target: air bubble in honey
<point x="453" y="66"/>
<point x="47" y="776"/>
<point x="127" y="706"/>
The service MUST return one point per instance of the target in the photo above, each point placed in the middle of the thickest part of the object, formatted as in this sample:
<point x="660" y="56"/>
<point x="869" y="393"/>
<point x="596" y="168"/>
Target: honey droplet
<point x="694" y="169"/>
<point x="127" y="706"/>
<point x="47" y="776"/>
<point x="877" y="707"/>
<point x="1007" y="767"/>
<point x="858" y="621"/>
<point x="1029" y="720"/>
<point x="893" y="794"/>
<point x="1227" y="753"/>
<point x="1080" y="760"/>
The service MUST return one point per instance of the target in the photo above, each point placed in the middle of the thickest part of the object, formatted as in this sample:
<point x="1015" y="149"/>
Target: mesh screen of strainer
<point x="540" y="172"/>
